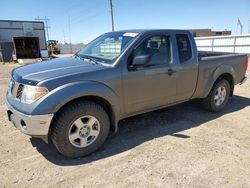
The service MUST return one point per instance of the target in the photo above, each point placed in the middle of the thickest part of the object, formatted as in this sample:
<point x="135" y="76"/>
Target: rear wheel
<point x="80" y="129"/>
<point x="218" y="96"/>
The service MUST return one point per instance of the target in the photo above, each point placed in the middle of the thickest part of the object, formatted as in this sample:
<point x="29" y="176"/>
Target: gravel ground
<point x="181" y="146"/>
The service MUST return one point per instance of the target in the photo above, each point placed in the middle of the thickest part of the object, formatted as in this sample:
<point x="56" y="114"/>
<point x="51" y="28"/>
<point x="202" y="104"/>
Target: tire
<point x="67" y="126"/>
<point x="211" y="102"/>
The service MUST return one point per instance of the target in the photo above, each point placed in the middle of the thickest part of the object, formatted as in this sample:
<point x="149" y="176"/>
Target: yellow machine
<point x="53" y="47"/>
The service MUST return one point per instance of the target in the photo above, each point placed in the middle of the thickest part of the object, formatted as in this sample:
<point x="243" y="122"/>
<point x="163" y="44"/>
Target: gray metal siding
<point x="10" y="29"/>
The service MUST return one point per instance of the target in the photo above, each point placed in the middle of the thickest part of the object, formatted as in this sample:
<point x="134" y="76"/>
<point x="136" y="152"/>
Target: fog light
<point x="23" y="124"/>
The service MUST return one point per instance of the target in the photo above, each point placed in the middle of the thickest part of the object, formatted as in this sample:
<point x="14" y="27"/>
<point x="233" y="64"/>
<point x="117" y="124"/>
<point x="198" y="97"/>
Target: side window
<point x="158" y="49"/>
<point x="184" y="47"/>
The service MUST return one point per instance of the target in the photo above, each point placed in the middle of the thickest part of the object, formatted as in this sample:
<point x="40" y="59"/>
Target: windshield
<point x="108" y="47"/>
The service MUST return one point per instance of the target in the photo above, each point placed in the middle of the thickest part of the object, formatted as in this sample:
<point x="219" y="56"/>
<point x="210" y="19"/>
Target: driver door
<point x="153" y="84"/>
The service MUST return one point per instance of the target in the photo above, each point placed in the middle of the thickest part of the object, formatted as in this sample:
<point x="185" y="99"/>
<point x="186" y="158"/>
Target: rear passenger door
<point x="188" y="66"/>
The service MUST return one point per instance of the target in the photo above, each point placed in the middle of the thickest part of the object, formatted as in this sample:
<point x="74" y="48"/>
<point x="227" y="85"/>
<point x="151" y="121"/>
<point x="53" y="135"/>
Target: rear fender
<point x="222" y="69"/>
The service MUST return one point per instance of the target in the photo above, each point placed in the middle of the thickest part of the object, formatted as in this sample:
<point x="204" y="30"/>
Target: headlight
<point x="31" y="94"/>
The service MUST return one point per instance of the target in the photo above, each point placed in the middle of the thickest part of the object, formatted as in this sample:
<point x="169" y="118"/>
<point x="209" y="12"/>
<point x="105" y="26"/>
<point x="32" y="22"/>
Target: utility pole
<point x="112" y="16"/>
<point x="70" y="36"/>
<point x="237" y="28"/>
<point x="241" y="26"/>
<point x="64" y="38"/>
<point x="249" y="27"/>
<point x="46" y="25"/>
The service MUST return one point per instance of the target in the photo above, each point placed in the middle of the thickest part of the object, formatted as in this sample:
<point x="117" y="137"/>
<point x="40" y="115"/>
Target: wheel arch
<point x="222" y="72"/>
<point x="96" y="92"/>
<point x="104" y="103"/>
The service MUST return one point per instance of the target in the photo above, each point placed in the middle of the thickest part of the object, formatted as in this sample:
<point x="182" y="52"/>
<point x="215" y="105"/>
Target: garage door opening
<point x="27" y="47"/>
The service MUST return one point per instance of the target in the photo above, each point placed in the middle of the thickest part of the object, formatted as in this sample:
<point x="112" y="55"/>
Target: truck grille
<point x="19" y="91"/>
<point x="16" y="89"/>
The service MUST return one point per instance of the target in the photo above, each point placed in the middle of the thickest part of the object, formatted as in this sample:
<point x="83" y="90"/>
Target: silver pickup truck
<point x="74" y="102"/>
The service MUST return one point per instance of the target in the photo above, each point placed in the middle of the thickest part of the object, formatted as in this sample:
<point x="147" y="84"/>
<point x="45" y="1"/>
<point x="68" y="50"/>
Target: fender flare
<point x="60" y="96"/>
<point x="220" y="70"/>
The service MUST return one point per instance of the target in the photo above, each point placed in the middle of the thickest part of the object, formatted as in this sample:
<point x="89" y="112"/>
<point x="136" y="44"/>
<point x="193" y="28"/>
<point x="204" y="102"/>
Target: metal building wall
<point x="231" y="43"/>
<point x="10" y="29"/>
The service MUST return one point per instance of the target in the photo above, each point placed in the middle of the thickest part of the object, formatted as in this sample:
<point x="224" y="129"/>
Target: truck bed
<point x="211" y="62"/>
<point x="202" y="54"/>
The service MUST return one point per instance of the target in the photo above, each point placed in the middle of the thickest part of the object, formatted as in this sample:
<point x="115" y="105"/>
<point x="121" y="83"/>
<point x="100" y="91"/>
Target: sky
<point x="91" y="18"/>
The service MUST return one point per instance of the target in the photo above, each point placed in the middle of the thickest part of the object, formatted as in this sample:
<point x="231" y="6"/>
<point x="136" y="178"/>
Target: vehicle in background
<point x="76" y="101"/>
<point x="53" y="48"/>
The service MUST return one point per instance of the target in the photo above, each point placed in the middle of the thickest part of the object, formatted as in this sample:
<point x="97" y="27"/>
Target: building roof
<point x="30" y="21"/>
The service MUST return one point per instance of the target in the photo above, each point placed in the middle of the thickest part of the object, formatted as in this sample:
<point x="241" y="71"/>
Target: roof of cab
<point x="154" y="30"/>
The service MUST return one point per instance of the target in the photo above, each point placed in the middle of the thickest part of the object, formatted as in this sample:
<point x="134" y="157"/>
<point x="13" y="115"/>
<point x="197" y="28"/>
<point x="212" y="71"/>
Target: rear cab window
<point x="184" y="47"/>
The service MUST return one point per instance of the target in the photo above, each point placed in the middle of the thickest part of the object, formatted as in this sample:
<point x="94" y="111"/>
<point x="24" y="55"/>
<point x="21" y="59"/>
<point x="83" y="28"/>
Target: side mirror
<point x="199" y="57"/>
<point x="140" y="60"/>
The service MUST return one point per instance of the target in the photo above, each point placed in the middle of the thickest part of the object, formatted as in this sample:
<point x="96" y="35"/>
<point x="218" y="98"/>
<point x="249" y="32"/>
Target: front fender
<point x="220" y="70"/>
<point x="58" y="97"/>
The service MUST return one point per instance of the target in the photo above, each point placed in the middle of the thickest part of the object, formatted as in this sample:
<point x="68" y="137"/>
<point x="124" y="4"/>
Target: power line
<point x="45" y="19"/>
<point x="87" y="19"/>
<point x="83" y="12"/>
<point x="112" y="16"/>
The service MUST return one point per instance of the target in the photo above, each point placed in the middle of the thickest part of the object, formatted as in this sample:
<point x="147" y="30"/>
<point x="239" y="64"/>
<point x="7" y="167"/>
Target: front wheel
<point x="80" y="129"/>
<point x="218" y="96"/>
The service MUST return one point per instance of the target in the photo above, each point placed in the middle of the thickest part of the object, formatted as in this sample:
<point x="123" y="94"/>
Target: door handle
<point x="171" y="72"/>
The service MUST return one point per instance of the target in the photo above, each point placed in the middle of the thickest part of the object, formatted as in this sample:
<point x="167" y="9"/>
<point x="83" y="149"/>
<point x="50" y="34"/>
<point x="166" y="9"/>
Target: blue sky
<point x="90" y="18"/>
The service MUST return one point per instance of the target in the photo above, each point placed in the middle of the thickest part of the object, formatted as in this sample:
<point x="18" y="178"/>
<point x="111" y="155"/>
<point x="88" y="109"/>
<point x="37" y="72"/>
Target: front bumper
<point x="34" y="125"/>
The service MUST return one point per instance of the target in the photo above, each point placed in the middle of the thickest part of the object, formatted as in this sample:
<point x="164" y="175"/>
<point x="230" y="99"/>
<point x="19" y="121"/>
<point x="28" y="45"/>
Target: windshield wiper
<point x="91" y="59"/>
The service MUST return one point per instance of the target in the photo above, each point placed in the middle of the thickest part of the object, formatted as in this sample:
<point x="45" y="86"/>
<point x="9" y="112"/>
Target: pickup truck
<point x="74" y="102"/>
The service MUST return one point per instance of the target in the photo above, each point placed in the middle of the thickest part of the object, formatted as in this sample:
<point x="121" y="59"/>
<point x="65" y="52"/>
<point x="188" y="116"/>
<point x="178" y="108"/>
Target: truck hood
<point x="36" y="72"/>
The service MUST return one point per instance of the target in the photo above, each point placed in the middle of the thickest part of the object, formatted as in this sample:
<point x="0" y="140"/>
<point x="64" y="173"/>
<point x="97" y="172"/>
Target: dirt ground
<point x="181" y="146"/>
